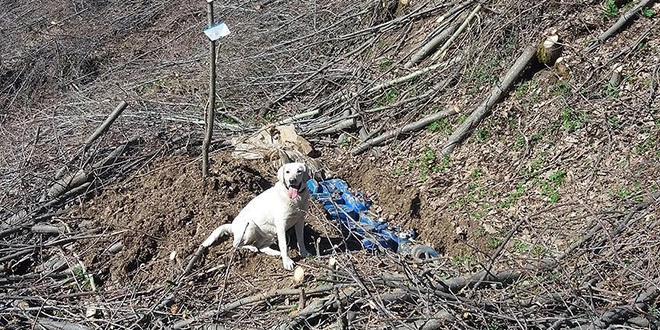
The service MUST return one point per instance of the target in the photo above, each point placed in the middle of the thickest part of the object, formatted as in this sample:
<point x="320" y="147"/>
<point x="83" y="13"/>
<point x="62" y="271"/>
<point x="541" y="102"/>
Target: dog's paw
<point x="250" y="248"/>
<point x="288" y="263"/>
<point x="303" y="253"/>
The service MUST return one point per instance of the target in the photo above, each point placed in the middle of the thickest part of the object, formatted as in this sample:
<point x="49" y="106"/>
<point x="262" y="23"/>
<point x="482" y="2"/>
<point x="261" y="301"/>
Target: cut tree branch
<point x="403" y="130"/>
<point x="623" y="20"/>
<point x="105" y="125"/>
<point x="496" y="94"/>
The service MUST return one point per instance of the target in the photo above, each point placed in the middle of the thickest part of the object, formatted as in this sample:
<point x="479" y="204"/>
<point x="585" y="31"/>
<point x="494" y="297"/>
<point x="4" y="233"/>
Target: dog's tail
<point x="217" y="233"/>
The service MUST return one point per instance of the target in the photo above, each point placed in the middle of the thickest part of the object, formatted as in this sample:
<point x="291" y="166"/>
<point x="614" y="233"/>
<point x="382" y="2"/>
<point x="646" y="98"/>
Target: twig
<point x="496" y="94"/>
<point x="499" y="250"/>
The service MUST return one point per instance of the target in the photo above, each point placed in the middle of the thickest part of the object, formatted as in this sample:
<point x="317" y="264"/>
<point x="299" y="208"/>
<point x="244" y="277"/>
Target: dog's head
<point x="294" y="177"/>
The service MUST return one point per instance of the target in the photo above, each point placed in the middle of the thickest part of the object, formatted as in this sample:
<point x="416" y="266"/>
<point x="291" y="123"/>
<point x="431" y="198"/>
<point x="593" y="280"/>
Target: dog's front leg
<point x="281" y="243"/>
<point x="300" y="237"/>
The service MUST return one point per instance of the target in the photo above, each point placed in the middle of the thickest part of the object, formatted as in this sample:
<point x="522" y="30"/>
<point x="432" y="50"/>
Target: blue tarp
<point x="351" y="210"/>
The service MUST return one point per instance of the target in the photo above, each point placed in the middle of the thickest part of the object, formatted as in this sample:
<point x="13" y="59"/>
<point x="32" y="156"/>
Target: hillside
<point x="537" y="183"/>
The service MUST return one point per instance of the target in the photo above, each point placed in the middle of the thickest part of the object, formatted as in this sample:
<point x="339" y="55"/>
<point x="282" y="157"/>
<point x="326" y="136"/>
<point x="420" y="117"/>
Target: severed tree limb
<point x="253" y="299"/>
<point x="73" y="181"/>
<point x="454" y="10"/>
<point x="105" y="125"/>
<point x="293" y="119"/>
<point x="456" y="284"/>
<point x="319" y="307"/>
<point x="198" y="254"/>
<point x="405" y="129"/>
<point x="496" y="94"/>
<point x="623" y="20"/>
<point x="453" y="37"/>
<point x="436" y="321"/>
<point x="285" y="95"/>
<point x="47" y="324"/>
<point x="67" y="183"/>
<point x="617" y="315"/>
<point x="430" y="46"/>
<point x="408" y="77"/>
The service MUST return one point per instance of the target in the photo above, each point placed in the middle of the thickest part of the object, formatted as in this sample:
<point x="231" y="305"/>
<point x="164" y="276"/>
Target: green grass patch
<point x="610" y="9"/>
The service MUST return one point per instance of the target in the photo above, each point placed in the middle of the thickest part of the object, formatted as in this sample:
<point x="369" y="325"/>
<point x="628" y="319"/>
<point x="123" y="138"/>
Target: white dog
<point x="270" y="214"/>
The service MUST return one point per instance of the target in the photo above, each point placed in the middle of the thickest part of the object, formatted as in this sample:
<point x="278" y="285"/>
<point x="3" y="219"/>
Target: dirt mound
<point x="165" y="210"/>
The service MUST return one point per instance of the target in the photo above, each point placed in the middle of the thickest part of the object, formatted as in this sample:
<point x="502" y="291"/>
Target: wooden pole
<point x="210" y="112"/>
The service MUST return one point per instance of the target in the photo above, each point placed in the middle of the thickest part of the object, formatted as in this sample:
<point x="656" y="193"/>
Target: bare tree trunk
<point x="210" y="112"/>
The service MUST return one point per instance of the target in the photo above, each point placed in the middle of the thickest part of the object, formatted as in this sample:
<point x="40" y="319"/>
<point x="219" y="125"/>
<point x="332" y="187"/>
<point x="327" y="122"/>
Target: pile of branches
<point x="337" y="91"/>
<point x="579" y="288"/>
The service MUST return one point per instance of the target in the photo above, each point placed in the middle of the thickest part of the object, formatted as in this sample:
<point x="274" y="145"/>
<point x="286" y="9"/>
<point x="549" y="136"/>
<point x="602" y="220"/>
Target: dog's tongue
<point x="293" y="192"/>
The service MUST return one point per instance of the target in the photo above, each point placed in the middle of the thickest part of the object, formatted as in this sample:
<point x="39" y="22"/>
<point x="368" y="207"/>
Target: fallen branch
<point x="105" y="125"/>
<point x="622" y="313"/>
<point x="496" y="94"/>
<point x="623" y="20"/>
<point x="437" y="321"/>
<point x="67" y="183"/>
<point x="432" y="44"/>
<point x="403" y="130"/>
<point x="318" y="307"/>
<point x="253" y="299"/>
<point x="453" y="37"/>
<point x="57" y="325"/>
<point x="78" y="179"/>
<point x="458" y="283"/>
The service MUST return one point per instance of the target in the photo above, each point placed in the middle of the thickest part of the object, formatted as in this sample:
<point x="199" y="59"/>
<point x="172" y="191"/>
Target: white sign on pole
<point x="217" y="31"/>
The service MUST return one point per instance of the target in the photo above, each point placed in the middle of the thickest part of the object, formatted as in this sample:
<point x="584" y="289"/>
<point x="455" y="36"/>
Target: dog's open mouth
<point x="293" y="190"/>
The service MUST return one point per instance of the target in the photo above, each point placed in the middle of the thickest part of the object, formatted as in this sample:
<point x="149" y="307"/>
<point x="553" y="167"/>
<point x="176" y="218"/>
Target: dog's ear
<point x="308" y="173"/>
<point x="280" y="174"/>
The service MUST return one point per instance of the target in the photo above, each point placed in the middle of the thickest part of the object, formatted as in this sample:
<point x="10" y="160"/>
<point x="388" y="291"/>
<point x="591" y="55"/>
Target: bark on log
<point x="426" y="49"/>
<point x="210" y="111"/>
<point x="105" y="125"/>
<point x="623" y="20"/>
<point x="496" y="94"/>
<point x="405" y="129"/>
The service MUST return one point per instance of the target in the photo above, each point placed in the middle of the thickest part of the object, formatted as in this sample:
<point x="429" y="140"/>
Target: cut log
<point x="105" y="125"/>
<point x="496" y="94"/>
<point x="405" y="129"/>
<point x="623" y="20"/>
